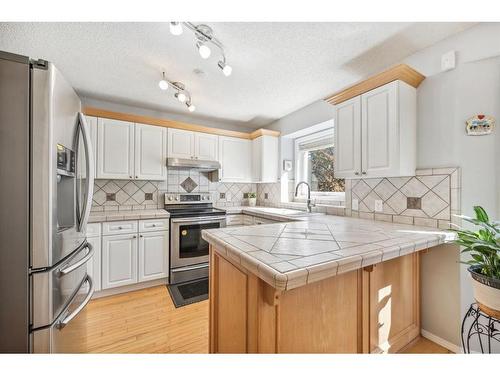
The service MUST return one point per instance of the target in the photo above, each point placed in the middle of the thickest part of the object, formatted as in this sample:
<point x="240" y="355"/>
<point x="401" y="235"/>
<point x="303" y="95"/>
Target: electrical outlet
<point x="355" y="205"/>
<point x="379" y="206"/>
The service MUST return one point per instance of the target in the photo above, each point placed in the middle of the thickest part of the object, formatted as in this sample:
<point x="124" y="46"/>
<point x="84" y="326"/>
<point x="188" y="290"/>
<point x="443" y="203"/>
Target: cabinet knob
<point x="140" y="235"/>
<point x="130" y="176"/>
<point x="120" y="227"/>
<point x="136" y="176"/>
<point x="134" y="236"/>
<point x="363" y="172"/>
<point x="154" y="225"/>
<point x="356" y="173"/>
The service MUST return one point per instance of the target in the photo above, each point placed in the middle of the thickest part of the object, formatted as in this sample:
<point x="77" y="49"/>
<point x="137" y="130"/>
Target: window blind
<point x="316" y="144"/>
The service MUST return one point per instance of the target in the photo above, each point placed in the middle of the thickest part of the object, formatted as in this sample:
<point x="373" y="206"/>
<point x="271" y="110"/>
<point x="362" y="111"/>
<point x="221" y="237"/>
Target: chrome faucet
<point x="309" y="205"/>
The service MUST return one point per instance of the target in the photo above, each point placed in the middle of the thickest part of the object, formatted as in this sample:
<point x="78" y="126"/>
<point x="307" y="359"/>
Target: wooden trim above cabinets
<point x="400" y="72"/>
<point x="103" y="113"/>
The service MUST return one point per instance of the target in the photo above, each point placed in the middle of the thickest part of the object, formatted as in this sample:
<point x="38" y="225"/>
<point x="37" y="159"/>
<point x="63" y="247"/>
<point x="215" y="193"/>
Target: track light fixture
<point x="181" y="94"/>
<point x="204" y="38"/>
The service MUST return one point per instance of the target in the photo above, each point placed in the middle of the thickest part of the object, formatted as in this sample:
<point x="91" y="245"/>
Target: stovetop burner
<point x="191" y="204"/>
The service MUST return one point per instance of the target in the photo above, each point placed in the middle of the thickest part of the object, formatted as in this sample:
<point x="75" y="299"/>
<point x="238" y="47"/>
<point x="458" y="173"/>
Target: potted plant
<point x="483" y="245"/>
<point x="252" y="199"/>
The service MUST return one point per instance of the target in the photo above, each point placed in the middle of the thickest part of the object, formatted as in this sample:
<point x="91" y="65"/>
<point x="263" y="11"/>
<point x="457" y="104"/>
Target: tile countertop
<point x="99" y="217"/>
<point x="293" y="254"/>
<point x="278" y="214"/>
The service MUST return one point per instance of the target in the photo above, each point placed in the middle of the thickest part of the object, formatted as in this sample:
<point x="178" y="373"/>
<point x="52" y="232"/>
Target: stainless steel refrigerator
<point x="46" y="183"/>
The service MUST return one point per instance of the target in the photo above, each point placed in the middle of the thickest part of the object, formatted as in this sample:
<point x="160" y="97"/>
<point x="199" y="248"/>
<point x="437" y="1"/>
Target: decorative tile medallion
<point x="189" y="185"/>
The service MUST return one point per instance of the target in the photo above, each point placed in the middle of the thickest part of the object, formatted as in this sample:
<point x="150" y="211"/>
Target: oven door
<point x="187" y="246"/>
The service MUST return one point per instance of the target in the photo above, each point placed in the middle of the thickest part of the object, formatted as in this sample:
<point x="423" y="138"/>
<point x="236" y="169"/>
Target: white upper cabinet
<point x="130" y="151"/>
<point x="265" y="159"/>
<point x="115" y="149"/>
<point x="184" y="144"/>
<point x="348" y="138"/>
<point x="180" y="144"/>
<point x="235" y="156"/>
<point x="150" y="152"/>
<point x="375" y="133"/>
<point x="206" y="146"/>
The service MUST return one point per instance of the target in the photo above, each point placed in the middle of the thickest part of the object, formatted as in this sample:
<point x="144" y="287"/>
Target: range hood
<point x="202" y="165"/>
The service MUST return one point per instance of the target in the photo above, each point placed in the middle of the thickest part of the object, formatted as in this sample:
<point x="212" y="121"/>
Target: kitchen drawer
<point x="153" y="225"/>
<point x="94" y="230"/>
<point x="234" y="220"/>
<point x="119" y="227"/>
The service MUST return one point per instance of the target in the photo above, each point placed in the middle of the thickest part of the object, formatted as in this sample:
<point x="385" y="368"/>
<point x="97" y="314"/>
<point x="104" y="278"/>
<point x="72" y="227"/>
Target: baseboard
<point x="129" y="288"/>
<point x="440" y="341"/>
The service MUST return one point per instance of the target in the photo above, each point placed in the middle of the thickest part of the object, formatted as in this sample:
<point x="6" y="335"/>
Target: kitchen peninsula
<point x="320" y="284"/>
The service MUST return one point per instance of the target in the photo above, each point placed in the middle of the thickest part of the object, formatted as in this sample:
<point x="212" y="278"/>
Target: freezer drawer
<point x="68" y="334"/>
<point x="55" y="288"/>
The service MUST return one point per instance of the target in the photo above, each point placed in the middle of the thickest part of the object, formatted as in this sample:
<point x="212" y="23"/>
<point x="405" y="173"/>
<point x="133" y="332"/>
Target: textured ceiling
<point x="277" y="67"/>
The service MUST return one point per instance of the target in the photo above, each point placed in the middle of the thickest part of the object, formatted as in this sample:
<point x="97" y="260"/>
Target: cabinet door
<point x="119" y="260"/>
<point x="265" y="159"/>
<point x="235" y="156"/>
<point x="153" y="255"/>
<point x="92" y="124"/>
<point x="150" y="147"/>
<point x="94" y="266"/>
<point x="379" y="132"/>
<point x="206" y="146"/>
<point x="180" y="144"/>
<point x="347" y="130"/>
<point x="115" y="149"/>
<point x="394" y="307"/>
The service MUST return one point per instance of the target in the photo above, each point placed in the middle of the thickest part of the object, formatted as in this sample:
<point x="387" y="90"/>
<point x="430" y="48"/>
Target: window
<point x="314" y="160"/>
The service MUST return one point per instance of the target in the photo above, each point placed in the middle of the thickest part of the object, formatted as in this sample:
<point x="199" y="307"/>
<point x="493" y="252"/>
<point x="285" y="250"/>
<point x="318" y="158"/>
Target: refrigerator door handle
<point x="82" y="261"/>
<point x="89" y="164"/>
<point x="64" y="322"/>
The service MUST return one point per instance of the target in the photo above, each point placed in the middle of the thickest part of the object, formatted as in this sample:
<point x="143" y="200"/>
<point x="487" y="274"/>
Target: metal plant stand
<point x="483" y="328"/>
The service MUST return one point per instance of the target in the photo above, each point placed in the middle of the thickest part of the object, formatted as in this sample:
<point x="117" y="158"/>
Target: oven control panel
<point x="187" y="198"/>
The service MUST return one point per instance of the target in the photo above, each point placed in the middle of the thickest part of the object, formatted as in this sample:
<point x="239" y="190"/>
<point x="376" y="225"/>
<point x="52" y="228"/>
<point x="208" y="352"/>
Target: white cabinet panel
<point x="180" y="144"/>
<point x="119" y="227"/>
<point x="153" y="225"/>
<point x="265" y="159"/>
<point x="347" y="132"/>
<point x="150" y="148"/>
<point x="94" y="265"/>
<point x="115" y="149"/>
<point x="119" y="260"/>
<point x="379" y="129"/>
<point x="153" y="255"/>
<point x="92" y="125"/>
<point x="375" y="133"/>
<point x="206" y="146"/>
<point x="235" y="156"/>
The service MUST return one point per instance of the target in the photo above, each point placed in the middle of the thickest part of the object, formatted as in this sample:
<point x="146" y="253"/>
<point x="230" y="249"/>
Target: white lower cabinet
<point x="153" y="257"/>
<point x="119" y="260"/>
<point x="129" y="252"/>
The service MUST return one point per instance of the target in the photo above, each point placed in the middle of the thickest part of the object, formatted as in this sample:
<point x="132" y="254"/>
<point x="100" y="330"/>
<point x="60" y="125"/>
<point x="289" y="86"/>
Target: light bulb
<point x="226" y="69"/>
<point x="175" y="28"/>
<point x="181" y="97"/>
<point x="163" y="84"/>
<point x="204" y="50"/>
<point x="191" y="108"/>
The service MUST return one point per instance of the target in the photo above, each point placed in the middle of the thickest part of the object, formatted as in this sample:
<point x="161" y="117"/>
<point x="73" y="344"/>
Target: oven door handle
<point x="196" y="220"/>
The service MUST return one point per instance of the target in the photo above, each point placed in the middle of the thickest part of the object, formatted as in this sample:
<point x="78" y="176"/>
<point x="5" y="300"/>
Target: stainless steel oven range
<point x="190" y="213"/>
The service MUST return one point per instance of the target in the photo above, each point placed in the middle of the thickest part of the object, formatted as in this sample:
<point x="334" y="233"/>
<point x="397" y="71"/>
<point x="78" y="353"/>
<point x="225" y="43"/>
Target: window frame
<point x="300" y="172"/>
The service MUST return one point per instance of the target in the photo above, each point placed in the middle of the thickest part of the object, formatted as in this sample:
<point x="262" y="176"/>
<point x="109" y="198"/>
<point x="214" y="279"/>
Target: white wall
<point x="118" y="107"/>
<point x="445" y="101"/>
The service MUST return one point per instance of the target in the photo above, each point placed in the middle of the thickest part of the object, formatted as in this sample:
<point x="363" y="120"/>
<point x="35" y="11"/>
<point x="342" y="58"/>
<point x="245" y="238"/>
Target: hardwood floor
<point x="146" y="321"/>
<point x="422" y="345"/>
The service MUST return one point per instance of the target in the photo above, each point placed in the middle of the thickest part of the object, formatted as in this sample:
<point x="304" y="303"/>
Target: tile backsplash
<point x="112" y="195"/>
<point x="431" y="198"/>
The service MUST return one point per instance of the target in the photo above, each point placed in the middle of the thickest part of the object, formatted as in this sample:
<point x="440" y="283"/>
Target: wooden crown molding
<point x="97" y="112"/>
<point x="400" y="72"/>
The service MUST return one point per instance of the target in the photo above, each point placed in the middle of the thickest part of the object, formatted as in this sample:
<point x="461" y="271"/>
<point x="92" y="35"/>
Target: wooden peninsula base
<point x="370" y="310"/>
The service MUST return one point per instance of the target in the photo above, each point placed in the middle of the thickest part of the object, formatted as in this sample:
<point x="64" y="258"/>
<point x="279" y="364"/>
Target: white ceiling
<point x="277" y="67"/>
